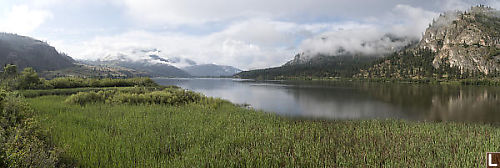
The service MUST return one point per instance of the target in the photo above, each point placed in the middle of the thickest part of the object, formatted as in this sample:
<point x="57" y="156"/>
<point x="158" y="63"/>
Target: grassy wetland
<point x="209" y="132"/>
<point x="71" y="122"/>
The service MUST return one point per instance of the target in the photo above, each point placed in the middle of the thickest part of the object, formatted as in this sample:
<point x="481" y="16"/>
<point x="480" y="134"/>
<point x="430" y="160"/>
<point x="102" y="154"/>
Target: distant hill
<point x="456" y="45"/>
<point x="342" y="63"/>
<point x="317" y="66"/>
<point x="145" y="68"/>
<point x="154" y="70"/>
<point x="85" y="70"/>
<point x="28" y="52"/>
<point x="147" y="62"/>
<point x="153" y="64"/>
<point x="211" y="70"/>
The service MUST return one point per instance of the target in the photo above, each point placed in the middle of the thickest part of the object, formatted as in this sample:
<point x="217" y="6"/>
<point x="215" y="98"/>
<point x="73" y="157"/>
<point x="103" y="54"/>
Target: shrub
<point x="24" y="147"/>
<point x="143" y="82"/>
<point x="83" y="98"/>
<point x="13" y="111"/>
<point x="213" y="103"/>
<point x="29" y="79"/>
<point x="21" y="142"/>
<point x="2" y="140"/>
<point x="168" y="96"/>
<point x="70" y="91"/>
<point x="70" y="82"/>
<point x="2" y="97"/>
<point x="9" y="71"/>
<point x="67" y="82"/>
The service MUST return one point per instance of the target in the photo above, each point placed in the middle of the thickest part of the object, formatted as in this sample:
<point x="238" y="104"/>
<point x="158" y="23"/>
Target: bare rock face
<point x="297" y="60"/>
<point x="468" y="40"/>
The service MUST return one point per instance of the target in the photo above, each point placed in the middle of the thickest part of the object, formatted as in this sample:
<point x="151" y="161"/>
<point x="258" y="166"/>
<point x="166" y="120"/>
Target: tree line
<point x="11" y="79"/>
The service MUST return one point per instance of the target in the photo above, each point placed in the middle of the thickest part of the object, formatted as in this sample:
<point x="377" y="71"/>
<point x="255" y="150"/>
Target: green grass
<point x="200" y="135"/>
<point x="70" y="91"/>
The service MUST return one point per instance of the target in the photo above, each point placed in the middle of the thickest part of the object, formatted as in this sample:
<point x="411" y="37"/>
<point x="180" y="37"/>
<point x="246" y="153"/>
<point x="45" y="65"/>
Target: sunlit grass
<point x="70" y="91"/>
<point x="103" y="135"/>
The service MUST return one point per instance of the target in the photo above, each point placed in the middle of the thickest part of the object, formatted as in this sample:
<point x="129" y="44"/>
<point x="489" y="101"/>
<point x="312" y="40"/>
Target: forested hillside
<point x="456" y="45"/>
<point x="319" y="66"/>
<point x="28" y="52"/>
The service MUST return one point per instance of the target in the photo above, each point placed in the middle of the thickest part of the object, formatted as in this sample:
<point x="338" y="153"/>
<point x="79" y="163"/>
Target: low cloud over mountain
<point x="243" y="34"/>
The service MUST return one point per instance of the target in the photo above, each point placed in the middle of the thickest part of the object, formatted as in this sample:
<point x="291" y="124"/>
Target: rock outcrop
<point x="468" y="40"/>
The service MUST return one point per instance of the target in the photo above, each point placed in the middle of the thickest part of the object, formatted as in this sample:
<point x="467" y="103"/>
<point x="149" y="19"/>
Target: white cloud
<point x="366" y="39"/>
<point x="371" y="38"/>
<point x="412" y="21"/>
<point x="175" y="12"/>
<point x="246" y="44"/>
<point x="495" y="4"/>
<point x="249" y="44"/>
<point x="455" y="5"/>
<point x="22" y="20"/>
<point x="260" y="42"/>
<point x="246" y="34"/>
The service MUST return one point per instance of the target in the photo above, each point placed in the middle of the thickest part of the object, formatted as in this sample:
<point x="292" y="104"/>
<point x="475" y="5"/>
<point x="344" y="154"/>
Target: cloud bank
<point x="246" y="34"/>
<point x="381" y="36"/>
<point x="22" y="20"/>
<point x="261" y="42"/>
<point x="250" y="44"/>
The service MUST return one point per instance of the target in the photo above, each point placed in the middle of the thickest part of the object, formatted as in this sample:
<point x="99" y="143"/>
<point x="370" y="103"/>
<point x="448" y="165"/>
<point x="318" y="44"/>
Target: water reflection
<point x="475" y="104"/>
<point x="355" y="100"/>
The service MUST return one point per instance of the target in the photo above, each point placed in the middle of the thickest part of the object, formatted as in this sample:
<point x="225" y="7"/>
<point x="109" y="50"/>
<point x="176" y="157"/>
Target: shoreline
<point x="433" y="81"/>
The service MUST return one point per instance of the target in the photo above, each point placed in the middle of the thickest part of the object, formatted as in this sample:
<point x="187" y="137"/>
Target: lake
<point x="353" y="100"/>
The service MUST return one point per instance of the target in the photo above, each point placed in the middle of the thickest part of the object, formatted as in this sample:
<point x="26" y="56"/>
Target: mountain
<point x="86" y="70"/>
<point x="317" y="66"/>
<point x="154" y="70"/>
<point x="456" y="45"/>
<point x="28" y="52"/>
<point x="342" y="63"/>
<point x="471" y="41"/>
<point x="377" y="47"/>
<point x="211" y="70"/>
<point x="151" y="64"/>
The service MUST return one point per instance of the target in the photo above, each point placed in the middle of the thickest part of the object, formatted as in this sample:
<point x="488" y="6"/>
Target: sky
<point x="247" y="34"/>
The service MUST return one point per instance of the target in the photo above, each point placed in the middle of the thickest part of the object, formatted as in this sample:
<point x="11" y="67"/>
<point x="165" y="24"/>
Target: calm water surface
<point x="354" y="100"/>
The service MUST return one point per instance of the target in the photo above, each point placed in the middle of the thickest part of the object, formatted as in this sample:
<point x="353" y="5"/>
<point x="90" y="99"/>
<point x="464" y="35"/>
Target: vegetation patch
<point x="167" y="96"/>
<point x="22" y="142"/>
<point x="197" y="135"/>
<point x="70" y="91"/>
<point x="28" y="79"/>
<point x="69" y="82"/>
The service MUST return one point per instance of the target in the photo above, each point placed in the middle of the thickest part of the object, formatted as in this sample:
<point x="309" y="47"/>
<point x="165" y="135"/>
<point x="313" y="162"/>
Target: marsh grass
<point x="223" y="135"/>
<point x="166" y="96"/>
<point x="71" y="91"/>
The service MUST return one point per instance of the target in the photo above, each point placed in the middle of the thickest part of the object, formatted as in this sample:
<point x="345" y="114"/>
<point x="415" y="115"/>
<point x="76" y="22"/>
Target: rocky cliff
<point x="455" y="45"/>
<point x="467" y="40"/>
